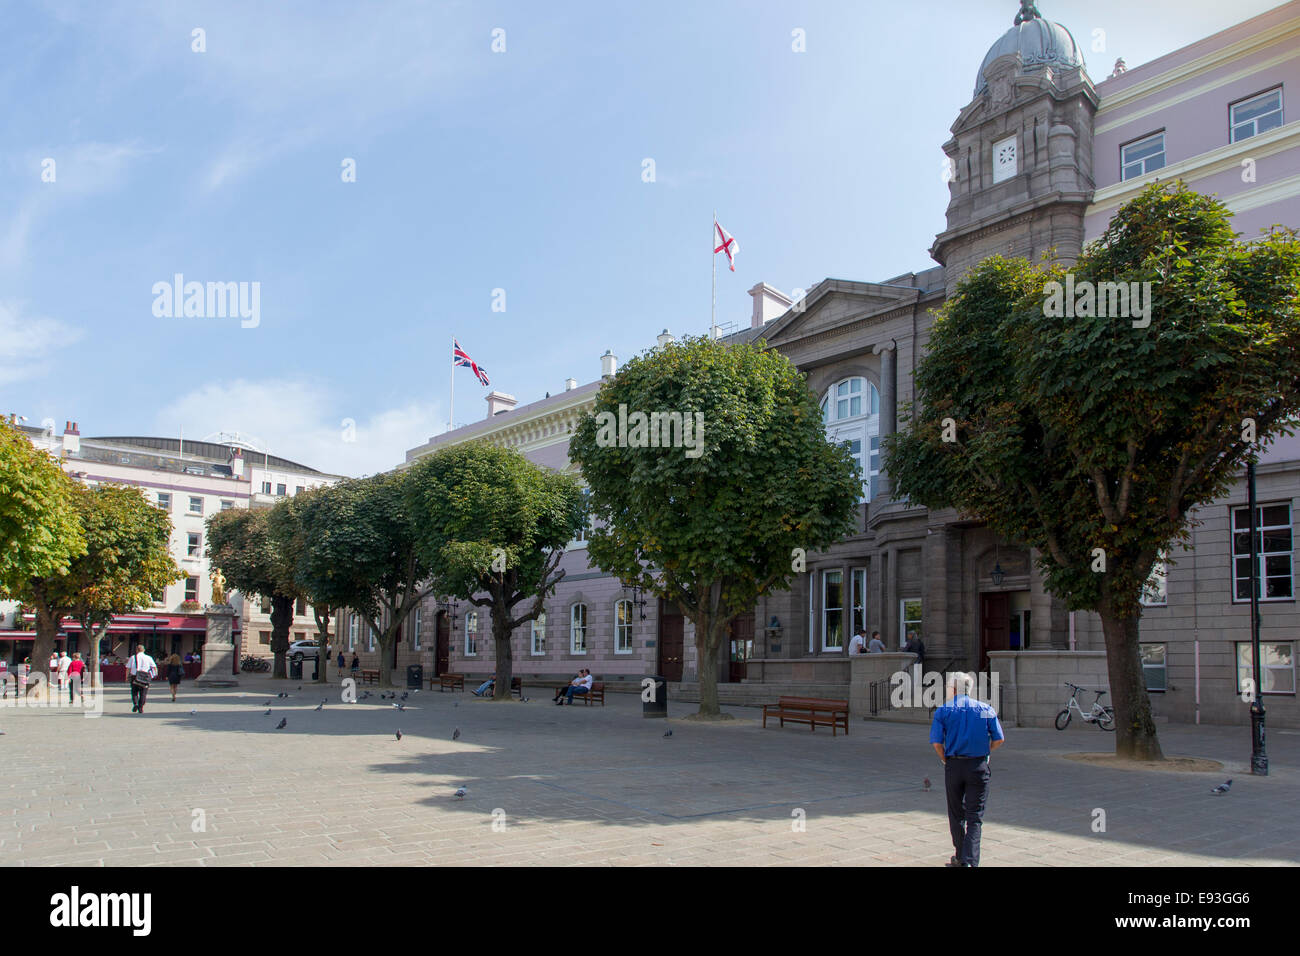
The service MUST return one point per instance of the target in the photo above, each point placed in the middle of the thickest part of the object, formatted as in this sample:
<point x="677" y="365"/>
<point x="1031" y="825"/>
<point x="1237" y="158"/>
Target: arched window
<point x="578" y="629"/>
<point x="623" y="627"/>
<point x="851" y="413"/>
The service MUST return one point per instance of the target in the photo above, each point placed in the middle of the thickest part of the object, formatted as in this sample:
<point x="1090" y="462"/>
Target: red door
<point x="995" y="625"/>
<point x="670" y="646"/>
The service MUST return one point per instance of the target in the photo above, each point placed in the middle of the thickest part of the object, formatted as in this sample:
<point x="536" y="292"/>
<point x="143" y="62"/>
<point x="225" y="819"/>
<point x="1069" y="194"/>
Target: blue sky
<point x="475" y="171"/>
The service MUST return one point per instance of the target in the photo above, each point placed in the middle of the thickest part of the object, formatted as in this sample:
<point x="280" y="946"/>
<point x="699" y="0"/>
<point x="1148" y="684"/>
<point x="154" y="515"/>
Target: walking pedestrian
<point x="174" y="673"/>
<point x="964" y="732"/>
<point x="64" y="663"/>
<point x="76" y="678"/>
<point x="141" y="670"/>
<point x="356" y="665"/>
<point x="342" y="662"/>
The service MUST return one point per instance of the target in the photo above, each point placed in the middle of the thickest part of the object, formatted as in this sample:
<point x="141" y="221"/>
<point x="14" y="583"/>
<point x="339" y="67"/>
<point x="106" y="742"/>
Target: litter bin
<point x="654" y="697"/>
<point x="414" y="676"/>
<point x="315" y="667"/>
<point x="295" y="669"/>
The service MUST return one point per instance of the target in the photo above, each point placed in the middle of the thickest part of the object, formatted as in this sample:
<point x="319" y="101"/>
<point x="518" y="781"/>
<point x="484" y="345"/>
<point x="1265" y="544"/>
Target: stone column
<point x="219" y="648"/>
<point x="888" y="352"/>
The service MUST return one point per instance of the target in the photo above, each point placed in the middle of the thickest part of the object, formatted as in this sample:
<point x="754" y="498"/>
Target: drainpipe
<point x="1071" y="630"/>
<point x="1196" y="649"/>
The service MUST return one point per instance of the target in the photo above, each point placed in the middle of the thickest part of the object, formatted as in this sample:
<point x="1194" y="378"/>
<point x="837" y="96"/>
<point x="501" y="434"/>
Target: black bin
<point x="414" y="676"/>
<point x="295" y="669"/>
<point x="654" y="697"/>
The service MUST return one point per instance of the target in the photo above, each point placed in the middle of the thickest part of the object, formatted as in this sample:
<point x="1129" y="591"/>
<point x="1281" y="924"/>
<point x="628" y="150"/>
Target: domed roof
<point x="1038" y="42"/>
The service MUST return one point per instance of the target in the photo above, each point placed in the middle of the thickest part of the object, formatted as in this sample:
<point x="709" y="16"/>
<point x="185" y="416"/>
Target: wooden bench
<point x="812" y="711"/>
<point x="454" y="681"/>
<point x="370" y="677"/>
<point x="597" y="692"/>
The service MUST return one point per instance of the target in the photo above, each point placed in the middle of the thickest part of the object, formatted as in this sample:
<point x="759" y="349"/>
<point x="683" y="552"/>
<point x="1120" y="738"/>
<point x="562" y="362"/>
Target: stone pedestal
<point x="219" y="649"/>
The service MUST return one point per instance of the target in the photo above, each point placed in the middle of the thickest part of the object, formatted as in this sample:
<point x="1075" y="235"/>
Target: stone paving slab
<point x="584" y="786"/>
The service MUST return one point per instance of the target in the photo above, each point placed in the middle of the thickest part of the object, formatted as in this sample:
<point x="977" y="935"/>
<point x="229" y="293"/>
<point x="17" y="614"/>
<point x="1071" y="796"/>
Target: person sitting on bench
<point x="486" y="686"/>
<point x="580" y="685"/>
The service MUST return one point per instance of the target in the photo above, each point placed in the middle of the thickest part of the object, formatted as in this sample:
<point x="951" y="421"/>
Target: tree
<point x="712" y="517"/>
<point x="360" y="551"/>
<point x="39" y="531"/>
<point x="1090" y="437"/>
<point x="493" y="527"/>
<point x="284" y="523"/>
<point x="241" y="545"/>
<point x="124" y="561"/>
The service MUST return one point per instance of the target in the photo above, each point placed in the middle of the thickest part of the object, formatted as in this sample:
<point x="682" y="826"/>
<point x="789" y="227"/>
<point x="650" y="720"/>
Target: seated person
<point x="580" y="685"/>
<point x="486" y="686"/>
<point x="560" y="691"/>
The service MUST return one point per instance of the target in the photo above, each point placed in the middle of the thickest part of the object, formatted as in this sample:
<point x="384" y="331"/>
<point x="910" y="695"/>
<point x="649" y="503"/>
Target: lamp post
<point x="1258" y="756"/>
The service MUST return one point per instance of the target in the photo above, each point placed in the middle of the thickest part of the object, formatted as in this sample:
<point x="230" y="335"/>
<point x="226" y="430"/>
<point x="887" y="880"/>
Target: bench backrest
<point x="810" y="702"/>
<point x="597" y="685"/>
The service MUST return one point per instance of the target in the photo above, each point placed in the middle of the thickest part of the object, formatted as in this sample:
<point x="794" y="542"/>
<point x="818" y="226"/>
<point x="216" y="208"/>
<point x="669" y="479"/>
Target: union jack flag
<point x="460" y="357"/>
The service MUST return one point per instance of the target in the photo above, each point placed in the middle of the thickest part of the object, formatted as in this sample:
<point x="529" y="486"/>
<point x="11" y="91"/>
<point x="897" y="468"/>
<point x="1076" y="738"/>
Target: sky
<point x="384" y="179"/>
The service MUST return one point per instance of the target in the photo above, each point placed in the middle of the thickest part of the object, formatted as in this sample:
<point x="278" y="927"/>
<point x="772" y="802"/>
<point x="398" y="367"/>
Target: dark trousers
<point x="966" y="780"/>
<point x="138" y="694"/>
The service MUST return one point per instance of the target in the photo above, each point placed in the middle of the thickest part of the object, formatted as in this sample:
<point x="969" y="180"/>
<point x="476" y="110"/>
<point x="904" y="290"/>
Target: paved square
<point x="589" y="785"/>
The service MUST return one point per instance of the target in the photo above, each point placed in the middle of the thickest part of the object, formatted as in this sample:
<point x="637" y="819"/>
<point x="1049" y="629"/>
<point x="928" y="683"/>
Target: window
<point x="264" y="637"/>
<point x="164" y="501"/>
<point x="370" y="637"/>
<point x="578" y="629"/>
<point x="352" y="631"/>
<point x="471" y="633"/>
<point x="226" y="504"/>
<point x="1141" y="157"/>
<point x="266" y="487"/>
<point x="1259" y="114"/>
<point x="300" y="608"/>
<point x="298" y="490"/>
<point x="1276" y="668"/>
<point x="191" y="588"/>
<point x="266" y="604"/>
<point x="859" y="578"/>
<point x="194" y="545"/>
<point x="909" y="619"/>
<point x="1155" y="592"/>
<point x="832" y="610"/>
<point x="539" y="634"/>
<point x="196" y="505"/>
<point x="300" y="636"/>
<point x="415" y="628"/>
<point x="851" y="413"/>
<point x="280" y="490"/>
<point x="622" y="627"/>
<point x="1153" y="666"/>
<point x="1274" y="544"/>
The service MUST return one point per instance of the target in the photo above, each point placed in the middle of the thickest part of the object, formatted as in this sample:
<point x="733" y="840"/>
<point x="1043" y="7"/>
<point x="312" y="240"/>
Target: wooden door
<point x="442" y="646"/>
<point x="670" y="646"/>
<point x="995" y="625"/>
<point x="741" y="631"/>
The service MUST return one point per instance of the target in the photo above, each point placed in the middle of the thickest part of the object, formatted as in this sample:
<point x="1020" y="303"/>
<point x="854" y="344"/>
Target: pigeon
<point x="925" y="784"/>
<point x="281" y="725"/>
<point x="405" y="696"/>
<point x="399" y="707"/>
<point x="267" y="704"/>
<point x="1223" y="787"/>
<point x="320" y="705"/>
<point x="268" y="712"/>
<point x="455" y="703"/>
<point x="399" y="733"/>
<point x="460" y="792"/>
<point x="455" y="734"/>
<point x="300" y="686"/>
<point x="524" y="700"/>
<point x="669" y="733"/>
<point x="193" y="712"/>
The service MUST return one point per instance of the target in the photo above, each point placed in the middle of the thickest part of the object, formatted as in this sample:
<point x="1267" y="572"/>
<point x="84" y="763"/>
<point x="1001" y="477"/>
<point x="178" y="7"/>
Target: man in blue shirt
<point x="964" y="732"/>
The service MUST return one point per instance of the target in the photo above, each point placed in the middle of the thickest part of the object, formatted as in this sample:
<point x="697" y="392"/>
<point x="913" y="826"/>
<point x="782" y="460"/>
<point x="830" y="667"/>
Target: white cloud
<point x="26" y="341"/>
<point x="296" y="419"/>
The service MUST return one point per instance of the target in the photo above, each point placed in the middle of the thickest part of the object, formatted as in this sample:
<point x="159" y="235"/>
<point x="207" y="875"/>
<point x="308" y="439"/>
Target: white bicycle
<point x="1103" y="717"/>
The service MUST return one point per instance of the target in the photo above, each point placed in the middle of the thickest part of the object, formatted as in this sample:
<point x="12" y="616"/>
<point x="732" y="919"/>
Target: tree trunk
<point x="504" y="660"/>
<point x="1135" y="730"/>
<point x="386" y="641"/>
<point x="90" y="677"/>
<point x="281" y="621"/>
<point x="708" y="631"/>
<point x="322" y="638"/>
<point x="47" y="633"/>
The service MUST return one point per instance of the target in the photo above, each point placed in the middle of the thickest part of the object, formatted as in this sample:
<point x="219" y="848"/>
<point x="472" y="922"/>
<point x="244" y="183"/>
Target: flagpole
<point x="713" y="258"/>
<point x="451" y="425"/>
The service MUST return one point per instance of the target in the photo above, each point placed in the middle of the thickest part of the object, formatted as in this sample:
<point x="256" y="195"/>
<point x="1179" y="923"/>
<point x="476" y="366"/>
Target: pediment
<point x="833" y="303"/>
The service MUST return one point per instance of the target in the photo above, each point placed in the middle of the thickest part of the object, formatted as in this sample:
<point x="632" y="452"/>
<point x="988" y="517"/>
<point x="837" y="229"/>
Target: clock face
<point x="1004" y="159"/>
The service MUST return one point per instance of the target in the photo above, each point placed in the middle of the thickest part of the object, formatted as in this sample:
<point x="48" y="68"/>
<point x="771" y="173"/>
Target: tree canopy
<point x="39" y="532"/>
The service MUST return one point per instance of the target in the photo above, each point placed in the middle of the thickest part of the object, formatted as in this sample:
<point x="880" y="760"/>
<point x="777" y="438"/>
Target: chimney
<point x="71" y="438"/>
<point x="769" y="304"/>
<point x="237" y="463"/>
<point x="570" y="384"/>
<point x="665" y="338"/>
<point x="499" y="402"/>
<point x="608" y="364"/>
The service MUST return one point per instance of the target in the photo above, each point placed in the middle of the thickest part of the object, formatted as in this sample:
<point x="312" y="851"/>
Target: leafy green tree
<point x="360" y="551"/>
<point x="1090" y="438"/>
<point x="285" y="526"/>
<point x="493" y="527"/>
<point x="239" y="542"/>
<point x="39" y="531"/>
<point x="712" y="521"/>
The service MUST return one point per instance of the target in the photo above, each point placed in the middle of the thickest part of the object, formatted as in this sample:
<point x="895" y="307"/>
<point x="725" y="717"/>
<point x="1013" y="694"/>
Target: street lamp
<point x="1258" y="756"/>
<point x="638" y="598"/>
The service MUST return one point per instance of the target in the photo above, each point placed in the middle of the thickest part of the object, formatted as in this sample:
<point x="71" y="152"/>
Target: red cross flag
<point x="725" y="244"/>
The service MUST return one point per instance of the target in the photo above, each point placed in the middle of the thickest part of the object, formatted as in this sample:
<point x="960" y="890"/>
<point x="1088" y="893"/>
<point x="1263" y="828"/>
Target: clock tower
<point x="1020" y="157"/>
